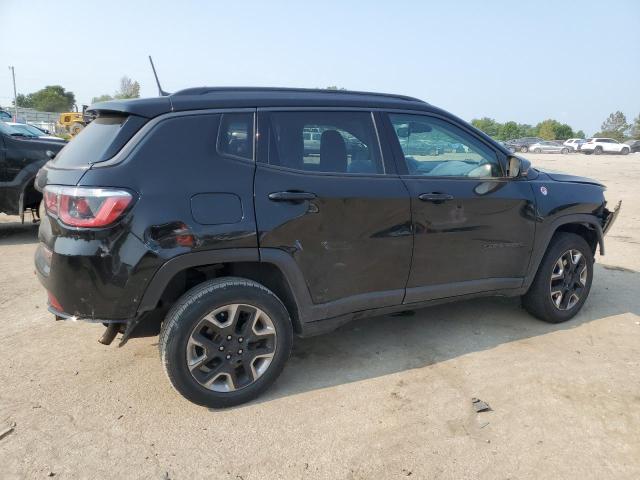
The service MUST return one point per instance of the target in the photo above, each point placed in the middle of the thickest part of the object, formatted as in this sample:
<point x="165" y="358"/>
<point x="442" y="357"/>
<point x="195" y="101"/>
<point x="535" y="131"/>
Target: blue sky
<point x="573" y="61"/>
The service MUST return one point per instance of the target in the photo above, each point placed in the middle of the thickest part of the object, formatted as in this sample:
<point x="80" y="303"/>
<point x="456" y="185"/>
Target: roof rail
<point x="206" y="90"/>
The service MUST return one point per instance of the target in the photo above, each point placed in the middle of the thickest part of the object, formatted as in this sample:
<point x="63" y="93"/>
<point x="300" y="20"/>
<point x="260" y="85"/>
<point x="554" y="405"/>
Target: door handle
<point x="291" y="196"/>
<point x="435" y="197"/>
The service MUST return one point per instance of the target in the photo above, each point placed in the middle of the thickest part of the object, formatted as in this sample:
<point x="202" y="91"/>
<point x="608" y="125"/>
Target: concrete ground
<point x="388" y="397"/>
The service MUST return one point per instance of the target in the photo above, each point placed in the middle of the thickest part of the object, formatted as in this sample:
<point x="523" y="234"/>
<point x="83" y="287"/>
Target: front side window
<point x="324" y="142"/>
<point x="437" y="148"/>
<point x="235" y="136"/>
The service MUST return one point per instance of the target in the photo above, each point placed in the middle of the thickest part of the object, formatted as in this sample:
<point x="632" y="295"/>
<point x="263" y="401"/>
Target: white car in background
<point x="574" y="143"/>
<point x="599" y="146"/>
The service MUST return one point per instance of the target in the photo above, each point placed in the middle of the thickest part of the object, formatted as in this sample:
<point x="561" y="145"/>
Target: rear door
<point x="474" y="228"/>
<point x="337" y="208"/>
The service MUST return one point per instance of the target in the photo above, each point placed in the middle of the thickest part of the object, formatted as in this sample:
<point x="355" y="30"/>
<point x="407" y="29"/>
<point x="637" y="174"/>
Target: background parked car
<point x="548" y="147"/>
<point x="634" y="145"/>
<point x="604" y="145"/>
<point x="32" y="131"/>
<point x="21" y="157"/>
<point x="523" y="144"/>
<point x="511" y="148"/>
<point x="574" y="143"/>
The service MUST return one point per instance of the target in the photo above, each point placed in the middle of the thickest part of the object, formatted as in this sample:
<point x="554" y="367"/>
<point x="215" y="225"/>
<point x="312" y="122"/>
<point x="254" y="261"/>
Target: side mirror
<point x="50" y="154"/>
<point x="518" y="167"/>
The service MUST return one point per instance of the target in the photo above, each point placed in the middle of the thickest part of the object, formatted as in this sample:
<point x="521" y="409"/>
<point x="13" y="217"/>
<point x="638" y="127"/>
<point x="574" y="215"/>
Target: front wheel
<point x="537" y="150"/>
<point x="524" y="149"/>
<point x="563" y="280"/>
<point x="598" y="151"/>
<point x="625" y="151"/>
<point x="564" y="151"/>
<point x="225" y="341"/>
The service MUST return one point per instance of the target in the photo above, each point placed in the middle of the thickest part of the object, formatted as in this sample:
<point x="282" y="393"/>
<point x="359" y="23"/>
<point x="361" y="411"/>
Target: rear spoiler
<point x="142" y="107"/>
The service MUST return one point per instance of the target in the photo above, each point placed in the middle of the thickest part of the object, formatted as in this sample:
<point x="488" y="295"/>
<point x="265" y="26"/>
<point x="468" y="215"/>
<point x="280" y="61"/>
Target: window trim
<point x="263" y="153"/>
<point x="231" y="156"/>
<point x="400" y="159"/>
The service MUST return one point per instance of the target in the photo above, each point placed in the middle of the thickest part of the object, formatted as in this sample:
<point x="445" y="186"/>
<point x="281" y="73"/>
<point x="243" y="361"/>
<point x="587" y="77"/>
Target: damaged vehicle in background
<point x="21" y="156"/>
<point x="204" y="214"/>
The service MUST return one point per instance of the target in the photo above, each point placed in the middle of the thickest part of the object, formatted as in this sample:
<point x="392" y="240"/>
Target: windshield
<point x="28" y="130"/>
<point x="9" y="130"/>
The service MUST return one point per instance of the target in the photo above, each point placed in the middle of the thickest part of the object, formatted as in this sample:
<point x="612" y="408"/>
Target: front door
<point x="324" y="195"/>
<point x="474" y="228"/>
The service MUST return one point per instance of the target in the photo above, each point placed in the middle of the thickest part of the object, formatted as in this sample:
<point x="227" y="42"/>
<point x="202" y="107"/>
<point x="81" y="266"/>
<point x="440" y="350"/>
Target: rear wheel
<point x="564" y="151"/>
<point x="537" y="150"/>
<point x="563" y="280"/>
<point x="524" y="149"/>
<point x="225" y="342"/>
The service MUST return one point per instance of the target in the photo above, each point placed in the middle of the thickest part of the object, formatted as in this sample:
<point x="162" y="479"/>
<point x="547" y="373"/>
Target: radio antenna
<point x="161" y="92"/>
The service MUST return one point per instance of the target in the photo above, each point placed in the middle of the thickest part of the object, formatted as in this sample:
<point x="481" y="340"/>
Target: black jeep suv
<point x="205" y="209"/>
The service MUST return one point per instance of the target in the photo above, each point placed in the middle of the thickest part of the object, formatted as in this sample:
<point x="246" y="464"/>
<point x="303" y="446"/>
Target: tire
<point x="587" y="152"/>
<point x="524" y="149"/>
<point x="225" y="369"/>
<point x="625" y="151"/>
<point x="542" y="299"/>
<point x="537" y="150"/>
<point x="564" y="151"/>
<point x="76" y="128"/>
<point x="598" y="151"/>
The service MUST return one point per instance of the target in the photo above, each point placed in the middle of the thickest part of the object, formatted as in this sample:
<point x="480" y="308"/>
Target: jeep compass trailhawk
<point x="215" y="210"/>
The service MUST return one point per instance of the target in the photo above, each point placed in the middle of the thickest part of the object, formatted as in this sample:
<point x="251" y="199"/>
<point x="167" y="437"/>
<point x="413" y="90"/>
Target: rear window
<point x="98" y="141"/>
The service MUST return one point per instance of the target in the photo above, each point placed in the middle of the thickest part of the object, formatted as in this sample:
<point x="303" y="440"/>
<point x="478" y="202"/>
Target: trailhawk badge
<point x="543" y="190"/>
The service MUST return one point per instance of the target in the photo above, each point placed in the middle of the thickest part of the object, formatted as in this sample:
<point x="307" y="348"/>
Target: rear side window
<point x="324" y="142"/>
<point x="98" y="141"/>
<point x="235" y="136"/>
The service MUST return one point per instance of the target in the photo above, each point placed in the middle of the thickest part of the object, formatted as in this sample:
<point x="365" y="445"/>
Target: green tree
<point x="546" y="129"/>
<point x="52" y="98"/>
<point x="580" y="134"/>
<point x="102" y="98"/>
<point x="563" y="131"/>
<point x="487" y="125"/>
<point x="615" y="126"/>
<point x="635" y="128"/>
<point x="509" y="131"/>
<point x="128" y="88"/>
<point x="551" y="129"/>
<point x="527" y="130"/>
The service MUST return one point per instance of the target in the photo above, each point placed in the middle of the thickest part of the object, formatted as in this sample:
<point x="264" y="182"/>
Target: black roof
<point x="249" y="97"/>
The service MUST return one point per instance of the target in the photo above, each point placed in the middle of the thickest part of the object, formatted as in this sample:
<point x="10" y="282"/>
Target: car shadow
<point x="380" y="346"/>
<point x="16" y="233"/>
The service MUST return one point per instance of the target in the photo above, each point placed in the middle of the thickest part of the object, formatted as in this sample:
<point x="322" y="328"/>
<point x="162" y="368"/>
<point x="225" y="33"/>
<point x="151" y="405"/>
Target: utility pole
<point x="15" y="95"/>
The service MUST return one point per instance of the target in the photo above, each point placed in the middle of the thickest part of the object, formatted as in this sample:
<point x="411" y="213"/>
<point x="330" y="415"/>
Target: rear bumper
<point x="95" y="279"/>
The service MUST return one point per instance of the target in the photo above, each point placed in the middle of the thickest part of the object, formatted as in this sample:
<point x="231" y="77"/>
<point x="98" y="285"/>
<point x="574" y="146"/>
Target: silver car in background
<point x="548" y="147"/>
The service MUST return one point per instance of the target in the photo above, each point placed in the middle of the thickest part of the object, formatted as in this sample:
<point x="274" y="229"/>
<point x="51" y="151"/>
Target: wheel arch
<point x="276" y="270"/>
<point x="585" y="225"/>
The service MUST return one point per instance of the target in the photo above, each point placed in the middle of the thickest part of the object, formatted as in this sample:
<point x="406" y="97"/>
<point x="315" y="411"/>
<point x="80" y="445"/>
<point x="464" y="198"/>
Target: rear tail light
<point x="54" y="302"/>
<point x="85" y="206"/>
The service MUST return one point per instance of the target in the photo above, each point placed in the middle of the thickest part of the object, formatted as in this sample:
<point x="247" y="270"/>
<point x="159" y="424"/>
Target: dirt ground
<point x="388" y="397"/>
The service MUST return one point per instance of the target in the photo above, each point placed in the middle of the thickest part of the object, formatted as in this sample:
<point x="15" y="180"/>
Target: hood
<point x="565" y="177"/>
<point x="42" y="143"/>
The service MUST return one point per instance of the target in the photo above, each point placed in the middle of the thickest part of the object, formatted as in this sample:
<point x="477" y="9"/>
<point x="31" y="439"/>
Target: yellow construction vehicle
<point x="73" y="122"/>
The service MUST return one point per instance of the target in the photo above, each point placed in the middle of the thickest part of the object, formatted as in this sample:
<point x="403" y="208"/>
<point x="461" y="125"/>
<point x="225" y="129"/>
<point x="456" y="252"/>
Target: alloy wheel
<point x="231" y="347"/>
<point x="568" y="279"/>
